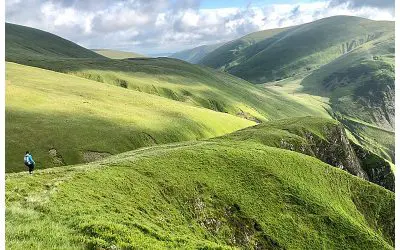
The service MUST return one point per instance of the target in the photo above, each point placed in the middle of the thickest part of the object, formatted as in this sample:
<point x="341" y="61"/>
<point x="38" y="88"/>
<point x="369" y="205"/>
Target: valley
<point x="281" y="139"/>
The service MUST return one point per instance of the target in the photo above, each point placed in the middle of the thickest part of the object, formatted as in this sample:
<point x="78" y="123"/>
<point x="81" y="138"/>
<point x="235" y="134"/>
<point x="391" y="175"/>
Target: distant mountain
<point x="25" y="42"/>
<point x="196" y="54"/>
<point x="117" y="54"/>
<point x="160" y="54"/>
<point x="233" y="52"/>
<point x="281" y="53"/>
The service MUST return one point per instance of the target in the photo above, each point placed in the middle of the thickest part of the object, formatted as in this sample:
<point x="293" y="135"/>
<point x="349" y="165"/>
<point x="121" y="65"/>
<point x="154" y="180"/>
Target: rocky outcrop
<point x="378" y="170"/>
<point x="337" y="150"/>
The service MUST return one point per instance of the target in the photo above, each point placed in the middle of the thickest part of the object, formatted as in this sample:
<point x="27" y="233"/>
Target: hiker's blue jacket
<point x="28" y="159"/>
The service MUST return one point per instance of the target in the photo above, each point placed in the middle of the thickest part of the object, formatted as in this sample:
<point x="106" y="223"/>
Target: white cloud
<point x="160" y="26"/>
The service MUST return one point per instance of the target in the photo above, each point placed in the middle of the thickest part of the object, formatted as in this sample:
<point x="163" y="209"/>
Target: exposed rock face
<point x="334" y="150"/>
<point x="90" y="156"/>
<point x="56" y="157"/>
<point x="231" y="224"/>
<point x="338" y="151"/>
<point x="377" y="169"/>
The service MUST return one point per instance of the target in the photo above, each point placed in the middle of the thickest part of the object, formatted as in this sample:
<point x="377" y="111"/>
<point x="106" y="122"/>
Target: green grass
<point x="184" y="82"/>
<point x="198" y="195"/>
<point x="117" y="54"/>
<point x="46" y="110"/>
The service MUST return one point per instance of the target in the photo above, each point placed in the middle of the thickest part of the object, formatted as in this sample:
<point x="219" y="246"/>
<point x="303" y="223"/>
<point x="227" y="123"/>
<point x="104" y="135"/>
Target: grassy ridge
<point x="116" y="54"/>
<point x="235" y="52"/>
<point x="25" y="42"/>
<point x="298" y="49"/>
<point x="46" y="110"/>
<point x="223" y="194"/>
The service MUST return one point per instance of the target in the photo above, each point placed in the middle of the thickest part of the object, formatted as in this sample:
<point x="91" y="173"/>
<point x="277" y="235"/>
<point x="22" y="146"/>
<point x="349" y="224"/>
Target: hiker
<point x="29" y="162"/>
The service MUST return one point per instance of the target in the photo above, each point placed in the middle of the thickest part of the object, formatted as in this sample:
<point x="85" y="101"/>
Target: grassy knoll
<point x="65" y="119"/>
<point x="198" y="195"/>
<point x="117" y="54"/>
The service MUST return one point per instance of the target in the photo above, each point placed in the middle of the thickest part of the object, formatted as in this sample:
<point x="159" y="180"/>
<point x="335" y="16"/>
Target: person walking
<point x="29" y="162"/>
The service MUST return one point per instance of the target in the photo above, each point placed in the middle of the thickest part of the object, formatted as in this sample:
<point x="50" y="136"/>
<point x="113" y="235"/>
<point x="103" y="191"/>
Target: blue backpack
<point x="26" y="160"/>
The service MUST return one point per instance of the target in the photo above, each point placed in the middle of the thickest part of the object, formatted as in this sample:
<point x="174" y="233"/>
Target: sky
<point x="155" y="27"/>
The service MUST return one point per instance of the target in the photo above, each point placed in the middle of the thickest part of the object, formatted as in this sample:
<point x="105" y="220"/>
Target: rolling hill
<point x="117" y="54"/>
<point x="202" y="174"/>
<point x="196" y="54"/>
<point x="181" y="81"/>
<point x="215" y="194"/>
<point x="64" y="119"/>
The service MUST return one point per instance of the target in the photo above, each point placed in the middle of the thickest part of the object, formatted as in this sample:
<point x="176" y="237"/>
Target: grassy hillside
<point x="297" y="49"/>
<point x="236" y="51"/>
<point x="117" y="54"/>
<point x="65" y="119"/>
<point x="184" y="82"/>
<point x="196" y="54"/>
<point x="25" y="42"/>
<point x="360" y="88"/>
<point x="200" y="195"/>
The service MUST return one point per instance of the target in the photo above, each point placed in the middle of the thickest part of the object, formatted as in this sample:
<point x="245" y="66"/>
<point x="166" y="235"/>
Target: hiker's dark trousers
<point x="30" y="166"/>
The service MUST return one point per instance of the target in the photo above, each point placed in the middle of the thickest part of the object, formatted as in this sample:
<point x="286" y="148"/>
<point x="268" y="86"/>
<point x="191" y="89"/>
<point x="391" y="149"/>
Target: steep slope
<point x="117" y="54"/>
<point x="24" y="42"/>
<point x="324" y="139"/>
<point x="211" y="194"/>
<point x="65" y="119"/>
<point x="196" y="54"/>
<point x="298" y="49"/>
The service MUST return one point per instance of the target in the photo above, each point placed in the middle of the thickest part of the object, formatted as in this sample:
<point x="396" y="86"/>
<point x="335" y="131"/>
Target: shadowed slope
<point x="47" y="111"/>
